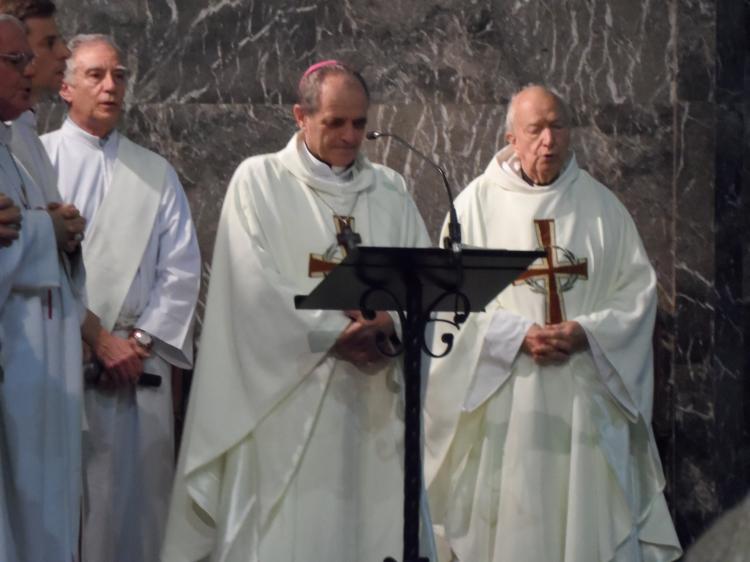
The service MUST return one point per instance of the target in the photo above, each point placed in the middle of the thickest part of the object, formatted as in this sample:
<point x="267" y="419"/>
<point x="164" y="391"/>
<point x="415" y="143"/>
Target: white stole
<point x="112" y="254"/>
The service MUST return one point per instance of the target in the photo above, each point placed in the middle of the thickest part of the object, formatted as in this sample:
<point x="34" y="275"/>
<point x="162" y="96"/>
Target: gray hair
<point x="87" y="39"/>
<point x="511" y="114"/>
<point x="308" y="91"/>
<point x="7" y="18"/>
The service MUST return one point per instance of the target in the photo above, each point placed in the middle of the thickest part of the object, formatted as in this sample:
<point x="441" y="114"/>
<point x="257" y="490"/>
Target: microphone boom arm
<point x="453" y="240"/>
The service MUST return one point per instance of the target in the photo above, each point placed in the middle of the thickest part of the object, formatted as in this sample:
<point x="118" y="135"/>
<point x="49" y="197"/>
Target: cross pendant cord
<point x="346" y="237"/>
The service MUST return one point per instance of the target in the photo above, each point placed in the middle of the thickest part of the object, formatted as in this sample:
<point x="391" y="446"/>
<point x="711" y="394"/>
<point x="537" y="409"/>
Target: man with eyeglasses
<point x="10" y="214"/>
<point x="40" y="318"/>
<point x="143" y="275"/>
<point x="13" y="83"/>
<point x="50" y="53"/>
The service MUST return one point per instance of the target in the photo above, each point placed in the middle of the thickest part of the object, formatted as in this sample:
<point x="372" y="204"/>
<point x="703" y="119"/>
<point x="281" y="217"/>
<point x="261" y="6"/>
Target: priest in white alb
<point x="40" y="320"/>
<point x="143" y="275"/>
<point x="293" y="442"/>
<point x="538" y="424"/>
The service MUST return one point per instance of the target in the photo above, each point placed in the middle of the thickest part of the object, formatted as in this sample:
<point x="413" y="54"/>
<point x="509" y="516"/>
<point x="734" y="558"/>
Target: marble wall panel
<point x="610" y="60"/>
<point x="653" y="87"/>
<point x="694" y="484"/>
<point x="710" y="371"/>
<point x="732" y="52"/>
<point x="444" y="51"/>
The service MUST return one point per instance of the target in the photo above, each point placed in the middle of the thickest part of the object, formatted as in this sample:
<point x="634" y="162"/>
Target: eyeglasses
<point x="19" y="60"/>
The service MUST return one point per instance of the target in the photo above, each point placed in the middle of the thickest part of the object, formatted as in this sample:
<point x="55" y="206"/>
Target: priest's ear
<point x="65" y="93"/>
<point x="510" y="138"/>
<point x="299" y="115"/>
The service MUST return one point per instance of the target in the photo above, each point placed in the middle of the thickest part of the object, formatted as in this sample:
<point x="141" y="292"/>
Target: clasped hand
<point x="555" y="343"/>
<point x="122" y="359"/>
<point x="357" y="343"/>
<point x="10" y="220"/>
<point x="68" y="224"/>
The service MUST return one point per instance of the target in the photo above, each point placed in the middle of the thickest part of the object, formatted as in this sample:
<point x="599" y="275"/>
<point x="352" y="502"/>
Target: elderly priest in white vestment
<point x="40" y="319"/>
<point x="538" y="424"/>
<point x="293" y="442"/>
<point x="143" y="275"/>
<point x="50" y="54"/>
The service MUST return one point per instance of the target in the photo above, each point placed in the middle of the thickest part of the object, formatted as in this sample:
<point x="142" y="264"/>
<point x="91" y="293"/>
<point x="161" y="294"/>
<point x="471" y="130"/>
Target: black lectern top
<point x="383" y="274"/>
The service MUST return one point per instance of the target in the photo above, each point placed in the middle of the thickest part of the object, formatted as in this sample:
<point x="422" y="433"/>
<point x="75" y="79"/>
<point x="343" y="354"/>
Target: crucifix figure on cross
<point x="557" y="273"/>
<point x="346" y="238"/>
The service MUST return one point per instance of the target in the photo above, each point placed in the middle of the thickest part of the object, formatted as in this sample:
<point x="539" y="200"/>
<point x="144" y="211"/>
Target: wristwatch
<point x="143" y="339"/>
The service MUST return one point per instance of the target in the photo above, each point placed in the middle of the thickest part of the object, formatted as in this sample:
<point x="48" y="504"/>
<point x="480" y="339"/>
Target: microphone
<point x="453" y="240"/>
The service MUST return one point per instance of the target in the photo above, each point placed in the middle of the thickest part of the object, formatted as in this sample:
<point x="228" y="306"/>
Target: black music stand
<point x="415" y="282"/>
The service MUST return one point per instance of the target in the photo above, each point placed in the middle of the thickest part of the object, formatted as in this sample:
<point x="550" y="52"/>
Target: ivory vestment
<point x="290" y="453"/>
<point x="551" y="463"/>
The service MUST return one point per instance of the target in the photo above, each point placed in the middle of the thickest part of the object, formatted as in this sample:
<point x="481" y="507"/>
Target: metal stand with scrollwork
<point x="416" y="283"/>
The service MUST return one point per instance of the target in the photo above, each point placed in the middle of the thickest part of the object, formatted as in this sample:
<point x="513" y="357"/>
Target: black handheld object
<point x="149" y="379"/>
<point x="453" y="240"/>
<point x="92" y="372"/>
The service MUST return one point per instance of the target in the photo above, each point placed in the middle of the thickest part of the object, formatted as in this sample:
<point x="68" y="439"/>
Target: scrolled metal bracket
<point x="461" y="309"/>
<point x="390" y="346"/>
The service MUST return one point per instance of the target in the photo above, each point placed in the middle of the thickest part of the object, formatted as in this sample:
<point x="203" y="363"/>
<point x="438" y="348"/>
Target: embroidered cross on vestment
<point x="558" y="272"/>
<point x="321" y="265"/>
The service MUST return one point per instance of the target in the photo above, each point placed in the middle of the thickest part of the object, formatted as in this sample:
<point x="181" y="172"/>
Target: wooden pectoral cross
<point x="559" y="271"/>
<point x="320" y="265"/>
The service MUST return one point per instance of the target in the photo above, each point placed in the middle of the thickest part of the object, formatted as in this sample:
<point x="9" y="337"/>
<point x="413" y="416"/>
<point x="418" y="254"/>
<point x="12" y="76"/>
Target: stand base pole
<point x="413" y="333"/>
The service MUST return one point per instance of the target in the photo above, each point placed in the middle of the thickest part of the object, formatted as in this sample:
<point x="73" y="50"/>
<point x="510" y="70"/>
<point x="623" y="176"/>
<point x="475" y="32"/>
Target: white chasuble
<point x="551" y="463"/>
<point x="40" y="395"/>
<point x="143" y="266"/>
<point x="290" y="453"/>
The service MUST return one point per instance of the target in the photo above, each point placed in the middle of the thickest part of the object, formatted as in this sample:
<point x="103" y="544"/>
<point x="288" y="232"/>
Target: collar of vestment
<point x="505" y="170"/>
<point x="322" y="170"/>
<point x="72" y="130"/>
<point x="5" y="133"/>
<point x="27" y="119"/>
<point x="295" y="160"/>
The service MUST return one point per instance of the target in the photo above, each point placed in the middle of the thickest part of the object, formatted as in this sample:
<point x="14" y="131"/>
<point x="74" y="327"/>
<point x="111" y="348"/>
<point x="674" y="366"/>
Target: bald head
<point x="533" y="91"/>
<point x="537" y="126"/>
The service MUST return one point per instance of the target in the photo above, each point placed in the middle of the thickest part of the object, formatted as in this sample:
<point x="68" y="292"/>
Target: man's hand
<point x="122" y="358"/>
<point x="10" y="221"/>
<point x="69" y="226"/>
<point x="356" y="343"/>
<point x="568" y="337"/>
<point x="555" y="343"/>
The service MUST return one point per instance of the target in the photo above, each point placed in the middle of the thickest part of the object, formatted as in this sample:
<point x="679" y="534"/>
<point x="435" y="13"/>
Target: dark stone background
<point x="660" y="95"/>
